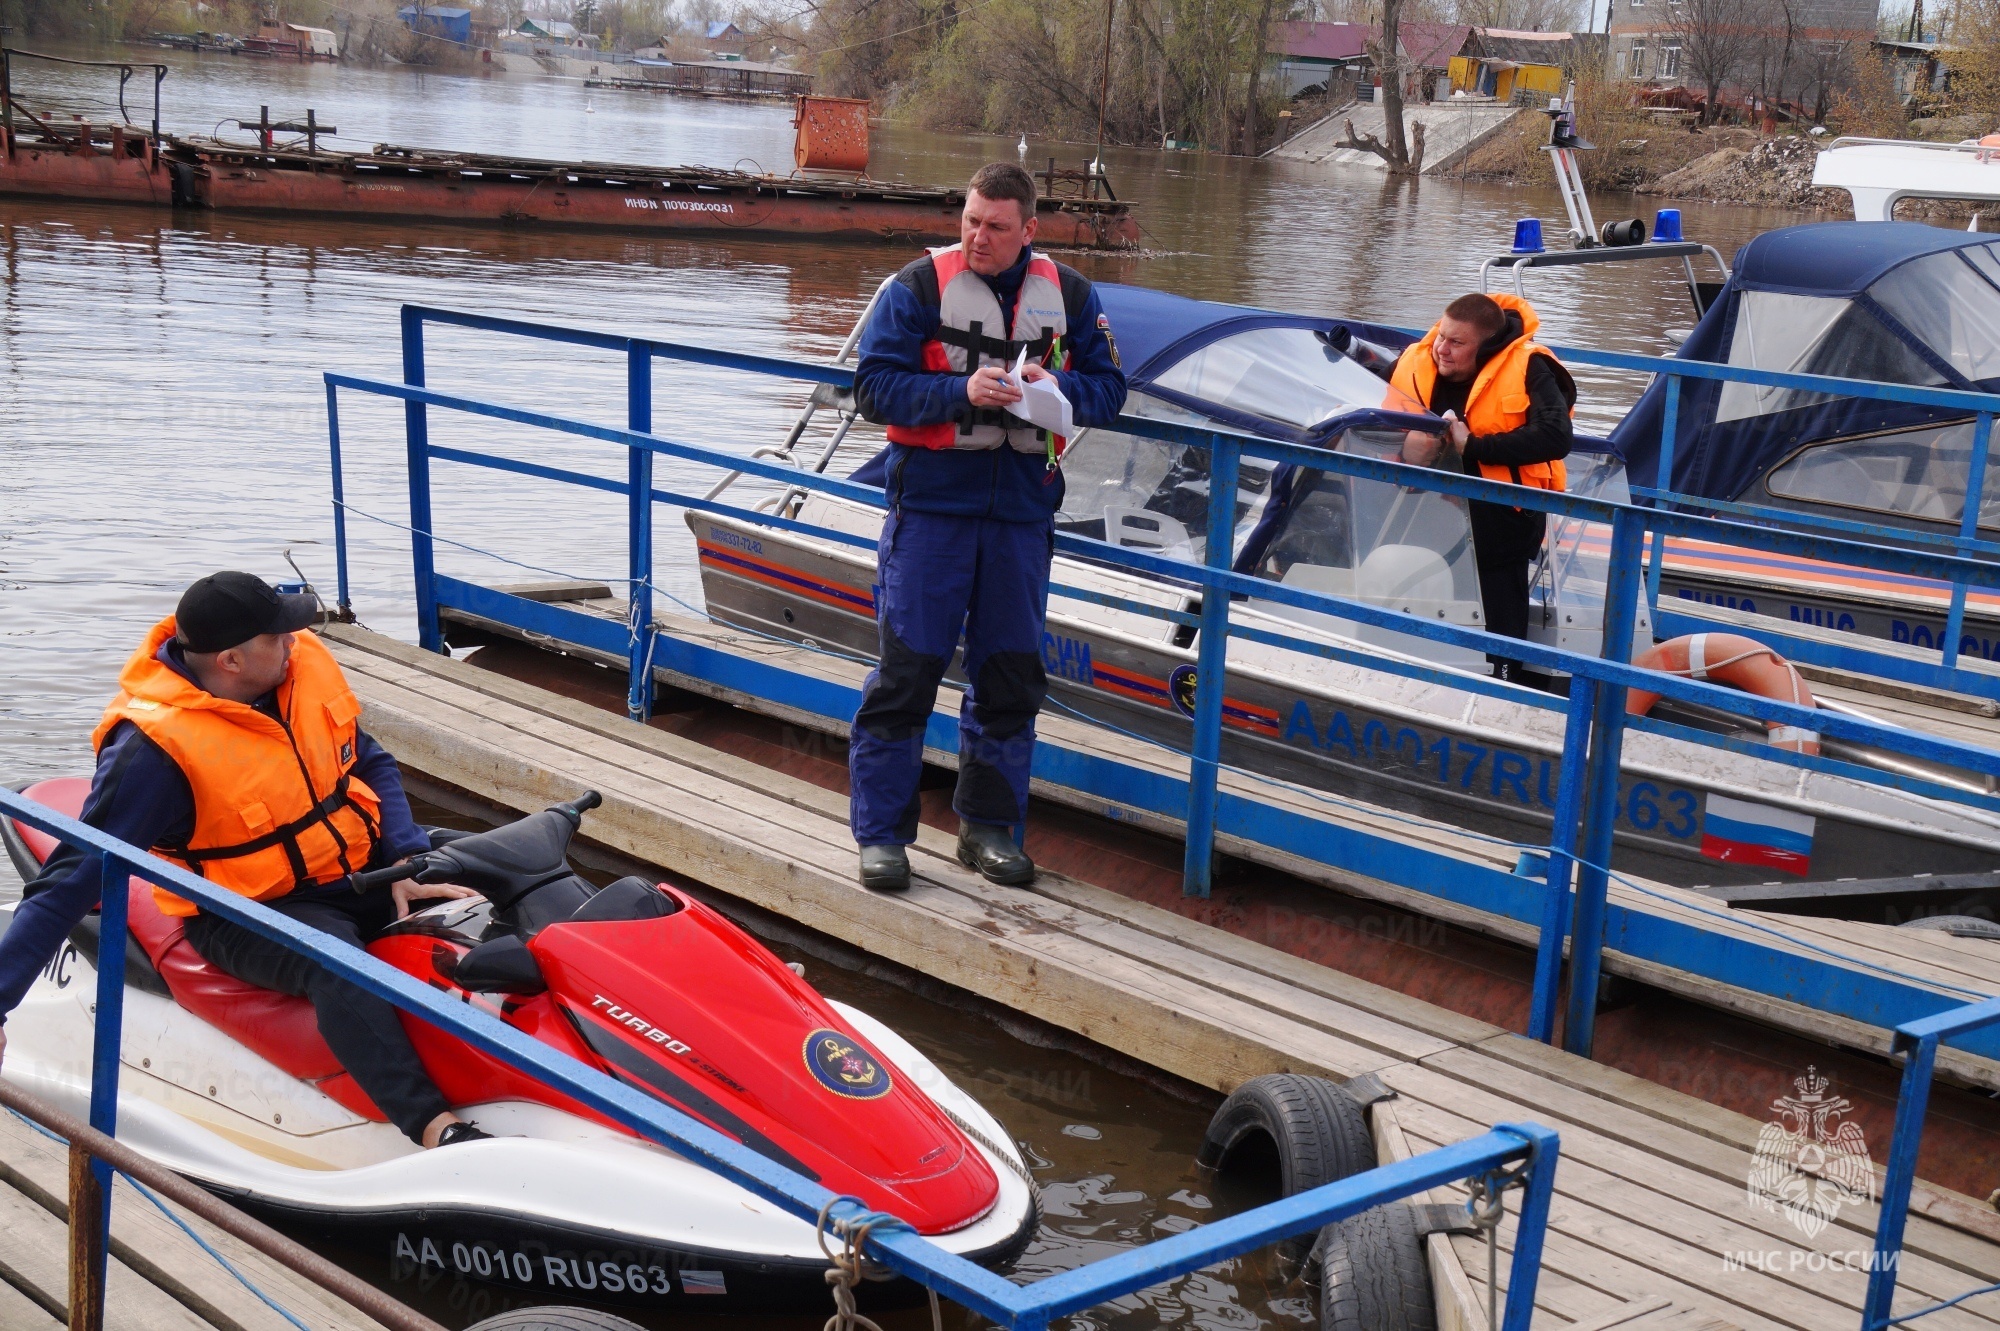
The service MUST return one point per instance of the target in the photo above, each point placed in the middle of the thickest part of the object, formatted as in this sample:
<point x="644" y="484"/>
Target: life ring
<point x="1743" y="663"/>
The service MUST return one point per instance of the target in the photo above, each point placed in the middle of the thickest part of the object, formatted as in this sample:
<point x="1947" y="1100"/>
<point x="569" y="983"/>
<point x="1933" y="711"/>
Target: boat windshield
<point x="1567" y="586"/>
<point x="1380" y="543"/>
<point x="1948" y="303"/>
<point x="1916" y="473"/>
<point x="1288" y="375"/>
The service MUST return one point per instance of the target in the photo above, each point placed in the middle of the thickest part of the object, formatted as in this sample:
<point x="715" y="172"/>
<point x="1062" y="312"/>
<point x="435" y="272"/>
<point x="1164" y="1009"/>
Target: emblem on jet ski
<point x="844" y="1067"/>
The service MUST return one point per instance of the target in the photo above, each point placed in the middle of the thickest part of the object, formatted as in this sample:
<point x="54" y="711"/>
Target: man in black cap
<point x="233" y="749"/>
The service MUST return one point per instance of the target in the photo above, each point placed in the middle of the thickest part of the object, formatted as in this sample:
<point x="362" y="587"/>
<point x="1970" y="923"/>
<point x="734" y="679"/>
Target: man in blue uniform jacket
<point x="972" y="493"/>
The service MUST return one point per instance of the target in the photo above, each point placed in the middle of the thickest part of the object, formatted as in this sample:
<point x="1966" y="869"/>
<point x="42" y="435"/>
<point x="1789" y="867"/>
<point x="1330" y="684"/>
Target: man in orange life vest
<point x="972" y="493"/>
<point x="1509" y="403"/>
<point x="232" y="749"/>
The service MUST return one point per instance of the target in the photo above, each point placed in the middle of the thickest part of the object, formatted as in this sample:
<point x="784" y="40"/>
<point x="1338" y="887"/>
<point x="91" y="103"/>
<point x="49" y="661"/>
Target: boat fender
<point x="1308" y="1128"/>
<point x="555" y="1319"/>
<point x="1739" y="662"/>
<point x="1374" y="1274"/>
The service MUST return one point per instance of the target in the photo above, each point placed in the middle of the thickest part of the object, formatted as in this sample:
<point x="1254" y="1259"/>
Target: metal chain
<point x="1488" y="1206"/>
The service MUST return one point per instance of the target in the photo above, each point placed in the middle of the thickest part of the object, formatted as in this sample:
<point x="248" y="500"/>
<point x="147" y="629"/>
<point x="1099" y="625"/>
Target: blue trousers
<point x="938" y="575"/>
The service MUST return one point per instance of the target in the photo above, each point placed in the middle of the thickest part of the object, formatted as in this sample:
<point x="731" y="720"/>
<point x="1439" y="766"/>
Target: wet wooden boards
<point x="1652" y="1216"/>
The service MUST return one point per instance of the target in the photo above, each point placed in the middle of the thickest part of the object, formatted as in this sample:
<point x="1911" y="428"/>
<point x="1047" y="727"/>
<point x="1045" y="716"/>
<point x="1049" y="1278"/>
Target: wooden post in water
<point x="86" y="1243"/>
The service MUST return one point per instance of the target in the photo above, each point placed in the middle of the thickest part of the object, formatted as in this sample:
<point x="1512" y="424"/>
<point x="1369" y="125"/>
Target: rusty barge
<point x="122" y="164"/>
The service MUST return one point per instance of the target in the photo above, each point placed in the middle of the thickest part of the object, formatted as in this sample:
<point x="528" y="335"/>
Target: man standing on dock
<point x="972" y="493"/>
<point x="1508" y="401"/>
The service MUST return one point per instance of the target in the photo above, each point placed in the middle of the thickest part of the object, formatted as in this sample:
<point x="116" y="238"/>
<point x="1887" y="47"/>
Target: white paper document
<point x="1042" y="402"/>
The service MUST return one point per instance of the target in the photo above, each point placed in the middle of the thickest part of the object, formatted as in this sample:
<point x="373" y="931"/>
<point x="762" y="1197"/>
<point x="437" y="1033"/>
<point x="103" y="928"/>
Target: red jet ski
<point x="233" y="1087"/>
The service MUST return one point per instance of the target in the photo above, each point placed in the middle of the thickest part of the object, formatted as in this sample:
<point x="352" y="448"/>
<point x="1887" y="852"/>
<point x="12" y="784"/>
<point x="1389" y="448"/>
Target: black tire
<point x="555" y="1319"/>
<point x="1318" y="1132"/>
<point x="1958" y="926"/>
<point x="1374" y="1274"/>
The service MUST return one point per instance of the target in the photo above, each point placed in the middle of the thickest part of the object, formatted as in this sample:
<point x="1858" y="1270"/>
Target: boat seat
<point x="279" y="1028"/>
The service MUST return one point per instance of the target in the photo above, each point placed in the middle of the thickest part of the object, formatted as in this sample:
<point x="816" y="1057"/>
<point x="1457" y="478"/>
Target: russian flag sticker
<point x="1738" y="832"/>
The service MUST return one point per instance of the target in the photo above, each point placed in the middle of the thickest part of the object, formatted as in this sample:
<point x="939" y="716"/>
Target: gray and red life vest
<point x="972" y="333"/>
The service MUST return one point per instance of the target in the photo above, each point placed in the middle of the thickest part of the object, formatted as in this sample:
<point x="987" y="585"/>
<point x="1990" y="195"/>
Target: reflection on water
<point x="162" y="415"/>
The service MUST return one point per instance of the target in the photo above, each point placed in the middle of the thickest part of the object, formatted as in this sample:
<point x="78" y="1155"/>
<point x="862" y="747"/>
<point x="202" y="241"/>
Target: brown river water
<point x="162" y="415"/>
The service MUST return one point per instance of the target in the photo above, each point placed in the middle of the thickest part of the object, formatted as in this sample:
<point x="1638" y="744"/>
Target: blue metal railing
<point x="1020" y="1307"/>
<point x="1917" y="1042"/>
<point x="1586" y="807"/>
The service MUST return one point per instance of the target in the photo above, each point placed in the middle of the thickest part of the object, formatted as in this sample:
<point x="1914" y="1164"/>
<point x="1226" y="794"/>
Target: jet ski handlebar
<point x="504" y="864"/>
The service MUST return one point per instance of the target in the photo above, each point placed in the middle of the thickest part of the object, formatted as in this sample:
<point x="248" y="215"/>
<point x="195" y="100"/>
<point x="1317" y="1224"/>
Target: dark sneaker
<point x="992" y="851"/>
<point x="462" y="1132"/>
<point x="885" y="868"/>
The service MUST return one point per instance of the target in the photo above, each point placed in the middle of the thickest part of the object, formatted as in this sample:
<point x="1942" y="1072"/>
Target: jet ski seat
<point x="279" y="1028"/>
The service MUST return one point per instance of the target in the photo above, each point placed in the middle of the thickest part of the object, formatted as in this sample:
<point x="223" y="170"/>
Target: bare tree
<point x="1392" y="148"/>
<point x="1711" y="34"/>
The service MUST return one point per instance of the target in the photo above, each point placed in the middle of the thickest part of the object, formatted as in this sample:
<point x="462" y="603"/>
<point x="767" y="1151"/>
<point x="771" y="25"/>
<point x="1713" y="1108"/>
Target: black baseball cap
<point x="225" y="610"/>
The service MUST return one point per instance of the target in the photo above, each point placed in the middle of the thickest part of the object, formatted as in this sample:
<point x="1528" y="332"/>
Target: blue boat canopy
<point x="1894" y="302"/>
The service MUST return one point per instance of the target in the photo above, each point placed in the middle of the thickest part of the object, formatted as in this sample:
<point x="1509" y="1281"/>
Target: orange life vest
<point x="970" y="328"/>
<point x="276" y="805"/>
<point x="1498" y="401"/>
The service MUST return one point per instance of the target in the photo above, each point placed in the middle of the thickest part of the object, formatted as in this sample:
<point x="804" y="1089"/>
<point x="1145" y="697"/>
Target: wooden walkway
<point x="1652" y="1226"/>
<point x="1950" y="965"/>
<point x="159" y="1279"/>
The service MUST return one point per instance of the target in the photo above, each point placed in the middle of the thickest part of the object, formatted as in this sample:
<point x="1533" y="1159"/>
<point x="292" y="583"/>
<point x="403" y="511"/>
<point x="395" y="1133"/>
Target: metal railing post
<point x="639" y="536"/>
<point x="342" y="594"/>
<point x="1531" y="1230"/>
<point x="1968" y="532"/>
<point x="1562" y="862"/>
<point x="417" y="435"/>
<point x="1600" y="796"/>
<point x="1899" y="1176"/>
<point x="1670" y="427"/>
<point x="1210" y="673"/>
<point x="90" y="1180"/>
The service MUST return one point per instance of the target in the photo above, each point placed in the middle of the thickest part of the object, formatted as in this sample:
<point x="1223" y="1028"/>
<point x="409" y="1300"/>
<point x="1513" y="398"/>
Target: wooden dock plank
<point x="34" y="1259"/>
<point x="1660" y="1197"/>
<point x="1180" y="995"/>
<point x="160" y="1252"/>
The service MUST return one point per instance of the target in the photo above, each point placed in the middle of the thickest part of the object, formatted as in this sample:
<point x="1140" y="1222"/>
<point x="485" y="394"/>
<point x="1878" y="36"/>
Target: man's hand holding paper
<point x="1042" y="402"/>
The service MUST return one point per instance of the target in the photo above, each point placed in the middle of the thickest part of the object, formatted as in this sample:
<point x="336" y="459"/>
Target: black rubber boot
<point x="992" y="851"/>
<point x="462" y="1132"/>
<point x="885" y="868"/>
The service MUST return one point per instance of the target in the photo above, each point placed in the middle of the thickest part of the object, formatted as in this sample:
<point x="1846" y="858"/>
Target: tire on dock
<point x="1308" y="1127"/>
<point x="1958" y="926"/>
<point x="555" y="1319"/>
<point x="1374" y="1274"/>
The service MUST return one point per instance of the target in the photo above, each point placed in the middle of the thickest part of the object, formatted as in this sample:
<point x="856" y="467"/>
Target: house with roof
<point x="724" y="39"/>
<point x="1648" y="37"/>
<point x="452" y="24"/>
<point x="1340" y="56"/>
<point x="1515" y="66"/>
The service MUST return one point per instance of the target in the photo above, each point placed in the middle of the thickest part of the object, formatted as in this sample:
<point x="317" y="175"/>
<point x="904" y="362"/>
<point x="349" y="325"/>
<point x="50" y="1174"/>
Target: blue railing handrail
<point x="1022" y="1307"/>
<point x="1917" y="1041"/>
<point x="1914" y="743"/>
<point x="1587" y="798"/>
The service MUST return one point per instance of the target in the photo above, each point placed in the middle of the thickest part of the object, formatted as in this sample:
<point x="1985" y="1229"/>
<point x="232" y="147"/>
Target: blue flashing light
<point x="1667" y="225"/>
<point x="1528" y="236"/>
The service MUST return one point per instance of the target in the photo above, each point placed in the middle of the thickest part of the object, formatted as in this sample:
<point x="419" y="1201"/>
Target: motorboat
<point x="233" y="1087"/>
<point x="1897" y="302"/>
<point x="1486" y="759"/>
